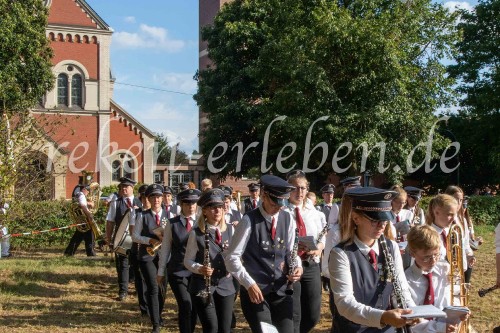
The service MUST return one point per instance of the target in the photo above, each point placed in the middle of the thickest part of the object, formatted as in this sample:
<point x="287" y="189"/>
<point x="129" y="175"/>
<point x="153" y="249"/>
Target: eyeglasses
<point x="375" y="223"/>
<point x="428" y="259"/>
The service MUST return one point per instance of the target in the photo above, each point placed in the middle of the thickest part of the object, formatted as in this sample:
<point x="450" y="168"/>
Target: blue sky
<point x="155" y="44"/>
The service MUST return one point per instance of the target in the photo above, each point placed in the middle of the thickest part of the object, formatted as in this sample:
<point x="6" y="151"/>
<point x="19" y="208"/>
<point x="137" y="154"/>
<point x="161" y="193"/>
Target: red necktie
<point x="129" y="203"/>
<point x="445" y="241"/>
<point x="429" y="294"/>
<point x="373" y="259"/>
<point x="254" y="204"/>
<point x="218" y="236"/>
<point x="302" y="229"/>
<point x="188" y="224"/>
<point x="397" y="219"/>
<point x="273" y="228"/>
<point x="157" y="219"/>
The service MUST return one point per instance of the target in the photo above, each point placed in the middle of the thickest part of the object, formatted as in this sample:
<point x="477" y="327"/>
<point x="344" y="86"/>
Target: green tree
<point x="25" y="76"/>
<point x="165" y="151"/>
<point x="478" y="70"/>
<point x="372" y="66"/>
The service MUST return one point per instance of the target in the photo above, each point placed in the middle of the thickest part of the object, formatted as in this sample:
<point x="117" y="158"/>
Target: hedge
<point x="23" y="217"/>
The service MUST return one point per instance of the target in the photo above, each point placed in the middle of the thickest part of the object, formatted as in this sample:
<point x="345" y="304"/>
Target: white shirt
<point x="314" y="222"/>
<point x="466" y="250"/>
<point x="418" y="288"/>
<point x="420" y="215"/>
<point x="112" y="208"/>
<point x="232" y="257"/>
<point x="332" y="239"/>
<point x="166" y="246"/>
<point x="342" y="285"/>
<point x="333" y="217"/>
<point x="82" y="200"/>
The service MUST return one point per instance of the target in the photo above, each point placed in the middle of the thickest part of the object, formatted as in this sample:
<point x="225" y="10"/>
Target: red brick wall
<point x="67" y="12"/>
<point x="86" y="54"/>
<point x="74" y="131"/>
<point x="126" y="138"/>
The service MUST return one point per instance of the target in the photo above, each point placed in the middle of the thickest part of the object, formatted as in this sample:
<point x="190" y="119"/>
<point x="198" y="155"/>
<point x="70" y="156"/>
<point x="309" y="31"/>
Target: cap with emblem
<point x="227" y="190"/>
<point x="351" y="181"/>
<point x="189" y="196"/>
<point x="183" y="186"/>
<point x="167" y="190"/>
<point x="372" y="201"/>
<point x="154" y="190"/>
<point x="212" y="198"/>
<point x="124" y="181"/>
<point x="414" y="192"/>
<point x="328" y="188"/>
<point x="142" y="189"/>
<point x="253" y="187"/>
<point x="277" y="188"/>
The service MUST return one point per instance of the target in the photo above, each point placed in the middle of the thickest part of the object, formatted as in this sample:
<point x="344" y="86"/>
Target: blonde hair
<point x="206" y="183"/>
<point x="389" y="232"/>
<point x="400" y="192"/>
<point x="347" y="228"/>
<point x="202" y="222"/>
<point x="440" y="200"/>
<point x="423" y="237"/>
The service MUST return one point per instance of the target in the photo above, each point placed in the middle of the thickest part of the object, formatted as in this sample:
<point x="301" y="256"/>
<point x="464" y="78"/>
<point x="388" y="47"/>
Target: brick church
<point x="98" y="134"/>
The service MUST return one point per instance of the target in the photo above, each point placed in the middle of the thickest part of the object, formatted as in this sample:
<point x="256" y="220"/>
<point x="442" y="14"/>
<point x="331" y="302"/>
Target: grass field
<point x="42" y="291"/>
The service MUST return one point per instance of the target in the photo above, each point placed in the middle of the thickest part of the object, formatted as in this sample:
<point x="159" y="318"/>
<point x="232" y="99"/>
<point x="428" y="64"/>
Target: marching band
<point x="275" y="252"/>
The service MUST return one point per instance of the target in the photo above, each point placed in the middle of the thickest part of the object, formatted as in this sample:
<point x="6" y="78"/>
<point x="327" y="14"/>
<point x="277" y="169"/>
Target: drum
<point x="123" y="241"/>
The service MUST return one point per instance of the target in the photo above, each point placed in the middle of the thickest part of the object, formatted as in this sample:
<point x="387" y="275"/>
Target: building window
<point x="123" y="166"/>
<point x="76" y="90"/>
<point x="62" y="89"/>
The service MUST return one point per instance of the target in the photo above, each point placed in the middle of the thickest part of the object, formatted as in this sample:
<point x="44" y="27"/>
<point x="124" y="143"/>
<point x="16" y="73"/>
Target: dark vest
<point x="220" y="280"/>
<point x="178" y="250"/>
<point x="325" y="210"/>
<point x="148" y="221"/>
<point x="264" y="259"/>
<point x="171" y="209"/>
<point x="235" y="216"/>
<point x="248" y="205"/>
<point x="368" y="289"/>
<point x="121" y="209"/>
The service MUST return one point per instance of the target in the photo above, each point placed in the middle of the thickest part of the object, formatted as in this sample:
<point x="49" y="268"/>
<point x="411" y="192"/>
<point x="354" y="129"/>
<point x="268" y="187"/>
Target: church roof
<point x="124" y="114"/>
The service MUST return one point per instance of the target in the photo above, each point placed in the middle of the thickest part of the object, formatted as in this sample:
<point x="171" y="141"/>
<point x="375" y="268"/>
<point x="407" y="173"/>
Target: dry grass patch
<point x="42" y="291"/>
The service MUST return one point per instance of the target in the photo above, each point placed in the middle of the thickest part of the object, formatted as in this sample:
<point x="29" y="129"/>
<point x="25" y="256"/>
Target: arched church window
<point x="62" y="89"/>
<point x="115" y="174"/>
<point x="76" y="90"/>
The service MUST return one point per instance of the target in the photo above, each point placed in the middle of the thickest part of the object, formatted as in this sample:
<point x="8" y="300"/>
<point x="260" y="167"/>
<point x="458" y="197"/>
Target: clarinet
<point x="323" y="232"/>
<point x="205" y="294"/>
<point x="393" y="276"/>
<point x="293" y="262"/>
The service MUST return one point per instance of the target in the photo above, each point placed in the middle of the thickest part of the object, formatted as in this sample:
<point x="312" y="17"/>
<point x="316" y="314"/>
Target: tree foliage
<point x="372" y="66"/>
<point x="165" y="151"/>
<point x="25" y="76"/>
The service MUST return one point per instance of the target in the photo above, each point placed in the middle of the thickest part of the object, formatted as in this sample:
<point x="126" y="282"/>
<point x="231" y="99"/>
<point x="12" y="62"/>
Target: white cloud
<point x="148" y="37"/>
<point x="129" y="19"/>
<point x="181" y="82"/>
<point x="454" y="5"/>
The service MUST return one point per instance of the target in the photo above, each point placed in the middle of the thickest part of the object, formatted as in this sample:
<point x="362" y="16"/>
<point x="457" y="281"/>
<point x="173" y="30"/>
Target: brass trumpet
<point x="153" y="249"/>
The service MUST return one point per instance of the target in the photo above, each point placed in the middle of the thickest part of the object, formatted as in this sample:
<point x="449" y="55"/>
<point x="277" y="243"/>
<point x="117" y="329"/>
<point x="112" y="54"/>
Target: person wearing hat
<point x="259" y="257"/>
<point x="140" y="284"/>
<point x="327" y="192"/>
<point x="309" y="222"/>
<point x="87" y="236"/>
<point x="417" y="214"/>
<point x="254" y="200"/>
<point x="231" y="216"/>
<point x="172" y="254"/>
<point x="116" y="213"/>
<point x="168" y="203"/>
<point x="214" y="302"/>
<point x="358" y="267"/>
<point x="147" y="233"/>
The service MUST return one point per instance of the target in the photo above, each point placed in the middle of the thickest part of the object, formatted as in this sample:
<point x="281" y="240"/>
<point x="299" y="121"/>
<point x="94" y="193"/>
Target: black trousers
<point x="187" y="313"/>
<point x="216" y="317"/>
<point x="122" y="270"/>
<point x="154" y="296"/>
<point x="468" y="275"/>
<point x="309" y="303"/>
<point x="75" y="241"/>
<point x="275" y="310"/>
<point x="140" y="284"/>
